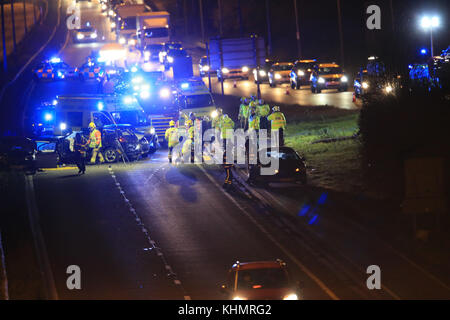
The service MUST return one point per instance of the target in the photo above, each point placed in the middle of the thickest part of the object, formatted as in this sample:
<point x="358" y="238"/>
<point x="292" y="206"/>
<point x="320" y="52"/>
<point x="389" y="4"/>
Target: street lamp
<point x="430" y="23"/>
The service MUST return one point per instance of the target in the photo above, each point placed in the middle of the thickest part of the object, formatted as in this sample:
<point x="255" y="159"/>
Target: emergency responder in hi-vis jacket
<point x="172" y="138"/>
<point x="278" y="122"/>
<point x="95" y="143"/>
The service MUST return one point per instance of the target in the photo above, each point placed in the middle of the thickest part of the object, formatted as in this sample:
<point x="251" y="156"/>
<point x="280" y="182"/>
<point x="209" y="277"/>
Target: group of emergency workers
<point x="254" y="114"/>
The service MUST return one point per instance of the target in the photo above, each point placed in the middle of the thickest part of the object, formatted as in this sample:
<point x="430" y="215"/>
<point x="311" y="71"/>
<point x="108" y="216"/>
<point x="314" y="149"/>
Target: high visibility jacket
<point x="191" y="132"/>
<point x="226" y="124"/>
<point x="187" y="146"/>
<point x="243" y="111"/>
<point x="216" y="122"/>
<point x="277" y="120"/>
<point x="253" y="122"/>
<point x="263" y="110"/>
<point x="95" y="139"/>
<point x="172" y="136"/>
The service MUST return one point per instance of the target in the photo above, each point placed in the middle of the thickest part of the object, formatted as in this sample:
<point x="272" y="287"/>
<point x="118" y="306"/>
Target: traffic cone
<point x="234" y="84"/>
<point x="354" y="97"/>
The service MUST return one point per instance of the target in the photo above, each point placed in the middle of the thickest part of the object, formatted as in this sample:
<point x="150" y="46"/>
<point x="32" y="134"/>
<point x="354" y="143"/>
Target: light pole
<point x="430" y="23"/>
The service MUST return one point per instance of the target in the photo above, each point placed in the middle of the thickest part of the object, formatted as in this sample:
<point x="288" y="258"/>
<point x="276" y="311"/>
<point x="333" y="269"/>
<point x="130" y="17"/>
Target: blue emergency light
<point x="48" y="117"/>
<point x="423" y="51"/>
<point x="55" y="60"/>
<point x="100" y="106"/>
<point x="185" y="85"/>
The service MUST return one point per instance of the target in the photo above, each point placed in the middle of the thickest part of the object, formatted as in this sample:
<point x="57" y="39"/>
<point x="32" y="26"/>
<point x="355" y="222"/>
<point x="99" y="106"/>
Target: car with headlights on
<point x="203" y="67"/>
<point x="279" y="72"/>
<point x="233" y="73"/>
<point x="86" y="34"/>
<point x="260" y="280"/>
<point x="361" y="83"/>
<point x="291" y="167"/>
<point x="261" y="73"/>
<point x="328" y="76"/>
<point x="301" y="72"/>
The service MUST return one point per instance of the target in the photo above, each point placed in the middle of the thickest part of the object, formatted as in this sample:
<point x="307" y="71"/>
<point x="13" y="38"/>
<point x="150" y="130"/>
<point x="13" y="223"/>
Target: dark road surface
<point x="150" y="230"/>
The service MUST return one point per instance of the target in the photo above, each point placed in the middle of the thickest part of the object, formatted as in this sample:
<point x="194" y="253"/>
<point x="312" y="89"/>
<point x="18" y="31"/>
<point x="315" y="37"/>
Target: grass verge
<point x="335" y="165"/>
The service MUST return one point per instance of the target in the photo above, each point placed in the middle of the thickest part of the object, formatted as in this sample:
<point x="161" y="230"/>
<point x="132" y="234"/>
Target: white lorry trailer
<point x="153" y="28"/>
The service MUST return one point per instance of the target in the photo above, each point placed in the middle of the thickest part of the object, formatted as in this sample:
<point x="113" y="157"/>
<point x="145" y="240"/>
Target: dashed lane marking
<point x="147" y="235"/>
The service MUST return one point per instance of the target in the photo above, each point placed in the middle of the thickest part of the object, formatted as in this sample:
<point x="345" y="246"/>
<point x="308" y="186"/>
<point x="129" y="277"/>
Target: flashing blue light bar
<point x="55" y="60"/>
<point x="423" y="51"/>
<point x="128" y="100"/>
<point x="134" y="69"/>
<point x="48" y="117"/>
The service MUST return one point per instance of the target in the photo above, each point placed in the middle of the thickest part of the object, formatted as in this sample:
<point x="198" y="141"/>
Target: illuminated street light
<point x="430" y="23"/>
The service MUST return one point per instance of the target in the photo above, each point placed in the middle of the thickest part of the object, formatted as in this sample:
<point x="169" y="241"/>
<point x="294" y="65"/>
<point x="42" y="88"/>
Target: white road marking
<point x="39" y="243"/>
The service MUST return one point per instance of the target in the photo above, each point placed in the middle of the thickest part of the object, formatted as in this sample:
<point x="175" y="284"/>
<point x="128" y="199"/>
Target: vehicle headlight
<point x="128" y="100"/>
<point x="80" y="36"/>
<point x="48" y="117"/>
<point x="262" y="73"/>
<point x="277" y="76"/>
<point x="225" y="70"/>
<point x="388" y="89"/>
<point x="113" y="24"/>
<point x="214" y="114"/>
<point x="344" y="79"/>
<point x="144" y="94"/>
<point x="239" y="298"/>
<point x="170" y="59"/>
<point x="300" y="73"/>
<point x="205" y="68"/>
<point x="291" y="296"/>
<point x="164" y="93"/>
<point x="244" y="69"/>
<point x="94" y="36"/>
<point x="321" y="80"/>
<point x="122" y="40"/>
<point x="63" y="126"/>
<point x="136" y="80"/>
<point x="365" y="85"/>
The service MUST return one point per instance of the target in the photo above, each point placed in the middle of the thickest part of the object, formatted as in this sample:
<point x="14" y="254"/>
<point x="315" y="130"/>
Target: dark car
<point x="291" y="167"/>
<point x="173" y="55"/>
<point x="203" y="67"/>
<point x="260" y="280"/>
<point x="116" y="142"/>
<point x="262" y="75"/>
<point x="152" y="52"/>
<point x="361" y="83"/>
<point x="17" y="153"/>
<point x="147" y="138"/>
<point x="301" y="72"/>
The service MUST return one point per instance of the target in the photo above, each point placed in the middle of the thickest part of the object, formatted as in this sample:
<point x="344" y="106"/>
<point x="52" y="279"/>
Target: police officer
<point x="263" y="111"/>
<point x="278" y="122"/>
<point x="243" y="112"/>
<point x="171" y="137"/>
<point x="95" y="143"/>
<point x="226" y="130"/>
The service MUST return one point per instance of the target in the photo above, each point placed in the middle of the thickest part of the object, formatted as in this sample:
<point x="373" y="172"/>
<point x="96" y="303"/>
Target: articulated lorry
<point x="153" y="28"/>
<point x="126" y="22"/>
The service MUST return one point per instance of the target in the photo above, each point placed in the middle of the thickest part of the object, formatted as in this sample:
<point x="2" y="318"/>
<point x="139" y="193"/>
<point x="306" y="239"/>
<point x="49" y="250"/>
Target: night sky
<point x="318" y="24"/>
